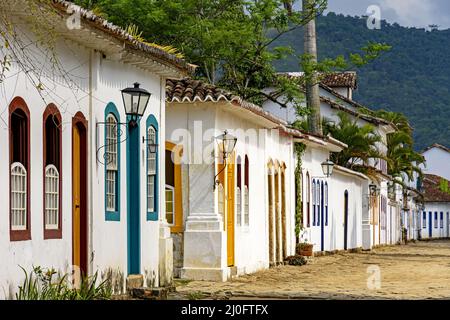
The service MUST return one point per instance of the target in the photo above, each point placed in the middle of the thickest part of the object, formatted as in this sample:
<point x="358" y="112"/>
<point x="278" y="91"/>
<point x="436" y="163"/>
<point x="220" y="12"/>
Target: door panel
<point x="230" y="211"/>
<point x="79" y="195"/>
<point x="76" y="197"/>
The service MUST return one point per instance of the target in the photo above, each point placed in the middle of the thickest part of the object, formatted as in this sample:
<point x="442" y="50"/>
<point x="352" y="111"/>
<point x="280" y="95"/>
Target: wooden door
<point x="76" y="197"/>
<point x="230" y="210"/>
<point x="79" y="195"/>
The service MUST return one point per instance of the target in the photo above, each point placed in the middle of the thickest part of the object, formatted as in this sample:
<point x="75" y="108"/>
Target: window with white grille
<point x="246" y="206"/>
<point x="246" y="192"/>
<point x="111" y="163"/>
<point x="51" y="198"/>
<point x="238" y="206"/>
<point x="18" y="197"/>
<point x="170" y="205"/>
<point x="151" y="171"/>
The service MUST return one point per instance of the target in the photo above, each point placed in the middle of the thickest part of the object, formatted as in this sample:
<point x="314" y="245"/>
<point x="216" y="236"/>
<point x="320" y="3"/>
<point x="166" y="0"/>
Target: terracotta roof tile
<point x="432" y="191"/>
<point x="437" y="145"/>
<point x="119" y="33"/>
<point x="340" y="79"/>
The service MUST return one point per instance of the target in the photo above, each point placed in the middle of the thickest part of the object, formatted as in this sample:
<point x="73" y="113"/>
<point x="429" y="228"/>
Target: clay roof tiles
<point x="432" y="190"/>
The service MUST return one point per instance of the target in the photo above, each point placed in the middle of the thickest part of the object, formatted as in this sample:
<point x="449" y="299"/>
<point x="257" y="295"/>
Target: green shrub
<point x="47" y="284"/>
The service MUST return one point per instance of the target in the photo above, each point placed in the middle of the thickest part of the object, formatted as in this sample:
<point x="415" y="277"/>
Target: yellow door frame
<point x="178" y="227"/>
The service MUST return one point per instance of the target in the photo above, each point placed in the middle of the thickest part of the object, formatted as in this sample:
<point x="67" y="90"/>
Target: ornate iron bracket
<point x="120" y="132"/>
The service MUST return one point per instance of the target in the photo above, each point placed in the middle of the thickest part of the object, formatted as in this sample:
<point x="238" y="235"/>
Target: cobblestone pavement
<point x="418" y="270"/>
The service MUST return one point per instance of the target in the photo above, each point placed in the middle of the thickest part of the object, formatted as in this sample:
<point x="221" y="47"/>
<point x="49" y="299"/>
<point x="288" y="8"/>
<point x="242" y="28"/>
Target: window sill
<point x="152" y="216"/>
<point x="112" y="216"/>
<point x="52" y="234"/>
<point x="20" y="235"/>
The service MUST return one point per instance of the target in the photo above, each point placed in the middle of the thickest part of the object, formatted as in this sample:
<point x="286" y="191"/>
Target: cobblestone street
<point x="418" y="270"/>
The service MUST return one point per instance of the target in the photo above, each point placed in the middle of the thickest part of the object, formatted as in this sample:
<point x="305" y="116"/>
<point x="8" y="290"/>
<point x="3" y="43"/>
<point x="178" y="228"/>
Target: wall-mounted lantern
<point x="135" y="101"/>
<point x="226" y="143"/>
<point x="374" y="190"/>
<point x="327" y="167"/>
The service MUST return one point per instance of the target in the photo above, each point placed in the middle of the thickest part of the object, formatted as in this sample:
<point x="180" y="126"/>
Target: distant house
<point x="381" y="216"/>
<point x="81" y="190"/>
<point x="437" y="159"/>
<point x="435" y="219"/>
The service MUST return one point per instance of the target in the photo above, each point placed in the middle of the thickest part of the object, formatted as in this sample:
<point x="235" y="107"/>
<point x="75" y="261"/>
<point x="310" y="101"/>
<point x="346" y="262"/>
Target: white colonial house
<point x="379" y="214"/>
<point x="437" y="159"/>
<point x="232" y="217"/>
<point x="83" y="186"/>
<point x="435" y="216"/>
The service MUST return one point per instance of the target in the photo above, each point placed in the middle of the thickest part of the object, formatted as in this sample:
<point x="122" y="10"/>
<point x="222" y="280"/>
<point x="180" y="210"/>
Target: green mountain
<point x="412" y="78"/>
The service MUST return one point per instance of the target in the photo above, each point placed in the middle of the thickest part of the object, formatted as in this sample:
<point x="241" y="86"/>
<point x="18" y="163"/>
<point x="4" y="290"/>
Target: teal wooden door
<point x="133" y="196"/>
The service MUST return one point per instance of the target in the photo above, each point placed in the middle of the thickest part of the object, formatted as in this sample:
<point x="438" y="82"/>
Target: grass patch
<point x="47" y="284"/>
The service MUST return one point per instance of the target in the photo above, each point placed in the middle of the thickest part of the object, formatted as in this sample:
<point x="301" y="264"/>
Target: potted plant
<point x="305" y="249"/>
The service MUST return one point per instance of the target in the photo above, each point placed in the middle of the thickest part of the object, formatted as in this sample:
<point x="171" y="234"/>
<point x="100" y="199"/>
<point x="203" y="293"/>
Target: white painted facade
<point x="379" y="226"/>
<point x="437" y="162"/>
<point x="435" y="220"/>
<point x="194" y="126"/>
<point x="94" y="80"/>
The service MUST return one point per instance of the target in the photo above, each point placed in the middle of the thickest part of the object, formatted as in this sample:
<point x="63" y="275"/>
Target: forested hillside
<point x="413" y="78"/>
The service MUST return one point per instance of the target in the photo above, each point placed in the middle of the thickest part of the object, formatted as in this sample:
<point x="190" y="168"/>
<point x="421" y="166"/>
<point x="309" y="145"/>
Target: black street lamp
<point x="135" y="101"/>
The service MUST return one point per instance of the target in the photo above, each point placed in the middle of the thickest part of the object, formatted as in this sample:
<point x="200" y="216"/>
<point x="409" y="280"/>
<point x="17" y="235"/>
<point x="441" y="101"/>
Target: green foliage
<point x="401" y="158"/>
<point x="299" y="151"/>
<point x="443" y="186"/>
<point x="412" y="78"/>
<point x="40" y="284"/>
<point x="361" y="140"/>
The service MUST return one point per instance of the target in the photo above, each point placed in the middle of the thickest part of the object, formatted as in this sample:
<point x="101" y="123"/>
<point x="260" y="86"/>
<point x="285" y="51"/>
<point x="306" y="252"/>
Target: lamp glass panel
<point x="143" y="104"/>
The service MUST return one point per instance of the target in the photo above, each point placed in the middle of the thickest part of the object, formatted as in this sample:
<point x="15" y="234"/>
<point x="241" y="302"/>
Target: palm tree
<point x="310" y="55"/>
<point x="401" y="157"/>
<point x="361" y="140"/>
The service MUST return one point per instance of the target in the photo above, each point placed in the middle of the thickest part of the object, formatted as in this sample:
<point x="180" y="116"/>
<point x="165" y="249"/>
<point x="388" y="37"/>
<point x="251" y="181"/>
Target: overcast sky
<point x="411" y="13"/>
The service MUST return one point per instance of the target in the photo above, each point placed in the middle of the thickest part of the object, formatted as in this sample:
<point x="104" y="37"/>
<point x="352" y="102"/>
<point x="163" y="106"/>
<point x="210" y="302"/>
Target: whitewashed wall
<point x="251" y="242"/>
<point x="437" y="162"/>
<point x="438" y="232"/>
<point x="107" y="240"/>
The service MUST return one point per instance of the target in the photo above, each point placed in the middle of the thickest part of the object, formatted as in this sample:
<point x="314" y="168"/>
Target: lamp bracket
<point x="120" y="132"/>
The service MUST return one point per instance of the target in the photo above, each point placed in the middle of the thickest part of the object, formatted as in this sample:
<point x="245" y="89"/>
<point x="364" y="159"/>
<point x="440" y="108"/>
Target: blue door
<point x="430" y="224"/>
<point x="322" y="228"/>
<point x="133" y="196"/>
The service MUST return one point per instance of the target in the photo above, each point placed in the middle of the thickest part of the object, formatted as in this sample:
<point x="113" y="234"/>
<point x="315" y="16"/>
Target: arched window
<point x="314" y="191"/>
<point x="151" y="172"/>
<point x="424" y="219"/>
<point x="246" y="193"/>
<point x="238" y="192"/>
<point x="318" y="203"/>
<point x="152" y="168"/>
<point x="308" y="199"/>
<point x="19" y="144"/>
<point x="52" y="177"/>
<point x="326" y="203"/>
<point x="112" y="161"/>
